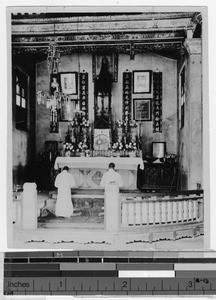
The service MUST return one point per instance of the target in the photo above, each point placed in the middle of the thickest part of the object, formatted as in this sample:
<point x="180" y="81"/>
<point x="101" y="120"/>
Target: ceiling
<point x="128" y="33"/>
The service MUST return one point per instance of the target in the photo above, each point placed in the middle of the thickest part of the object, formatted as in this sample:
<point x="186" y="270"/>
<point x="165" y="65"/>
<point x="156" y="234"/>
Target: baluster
<point x="179" y="209"/>
<point x="192" y="210"/>
<point x="154" y="209"/>
<point x="138" y="211"/>
<point x="167" y="206"/>
<point x="200" y="207"/>
<point x="134" y="212"/>
<point x="141" y="213"/>
<point x="190" y="213"/>
<point x="154" y="212"/>
<point x="147" y="206"/>
<point x="171" y="206"/>
<point x="196" y="210"/>
<point x="151" y="210"/>
<point x="157" y="209"/>
<point x="169" y="210"/>
<point x="163" y="211"/>
<point x="174" y="206"/>
<point x="160" y="212"/>
<point x="127" y="215"/>
<point x="144" y="213"/>
<point x="124" y="213"/>
<point x="131" y="213"/>
<point x="187" y="211"/>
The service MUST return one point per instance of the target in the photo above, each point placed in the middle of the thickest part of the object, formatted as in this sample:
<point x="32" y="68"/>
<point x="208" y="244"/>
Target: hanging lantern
<point x="53" y="57"/>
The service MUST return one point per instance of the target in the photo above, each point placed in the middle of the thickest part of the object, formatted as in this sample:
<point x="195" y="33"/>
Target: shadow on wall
<point x="22" y="174"/>
<point x="182" y="180"/>
<point x="19" y="175"/>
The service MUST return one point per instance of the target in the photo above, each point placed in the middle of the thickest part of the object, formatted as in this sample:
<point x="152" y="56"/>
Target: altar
<point x="88" y="171"/>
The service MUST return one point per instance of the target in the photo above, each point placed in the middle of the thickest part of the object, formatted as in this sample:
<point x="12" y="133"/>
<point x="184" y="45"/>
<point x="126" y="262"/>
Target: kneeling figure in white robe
<point x="64" y="182"/>
<point x="111" y="182"/>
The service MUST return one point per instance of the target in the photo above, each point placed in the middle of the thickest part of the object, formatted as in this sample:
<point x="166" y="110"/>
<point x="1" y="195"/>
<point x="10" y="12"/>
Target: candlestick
<point x="60" y="132"/>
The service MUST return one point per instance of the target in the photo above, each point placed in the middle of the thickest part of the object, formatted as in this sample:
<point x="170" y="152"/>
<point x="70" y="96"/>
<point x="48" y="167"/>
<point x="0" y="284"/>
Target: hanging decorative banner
<point x="127" y="95"/>
<point x="84" y="93"/>
<point x="54" y="126"/>
<point x="157" y="102"/>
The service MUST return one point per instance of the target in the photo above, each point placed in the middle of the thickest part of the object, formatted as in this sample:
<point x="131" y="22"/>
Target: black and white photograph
<point x="106" y="128"/>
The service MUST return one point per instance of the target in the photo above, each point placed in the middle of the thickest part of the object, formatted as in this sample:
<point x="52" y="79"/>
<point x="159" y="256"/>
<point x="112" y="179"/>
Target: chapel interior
<point x="90" y="88"/>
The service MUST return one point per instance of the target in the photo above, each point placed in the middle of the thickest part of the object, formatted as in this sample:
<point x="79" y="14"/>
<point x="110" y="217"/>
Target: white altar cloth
<point x="88" y="171"/>
<point x="123" y="163"/>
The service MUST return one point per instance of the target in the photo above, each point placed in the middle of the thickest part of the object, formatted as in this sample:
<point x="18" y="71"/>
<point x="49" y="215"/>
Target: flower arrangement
<point x="69" y="147"/>
<point x="81" y="147"/>
<point x="74" y="122"/>
<point x="79" y="122"/>
<point x="133" y="124"/>
<point x="84" y="122"/>
<point x="132" y="146"/>
<point x="119" y="123"/>
<point x="117" y="146"/>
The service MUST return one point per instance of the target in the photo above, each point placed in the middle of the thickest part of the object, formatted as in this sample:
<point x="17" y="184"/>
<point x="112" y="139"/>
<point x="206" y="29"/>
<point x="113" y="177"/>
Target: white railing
<point x="157" y="210"/>
<point x="135" y="210"/>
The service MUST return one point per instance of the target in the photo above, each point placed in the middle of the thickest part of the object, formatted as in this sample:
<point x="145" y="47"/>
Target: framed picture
<point x="112" y="63"/>
<point x="158" y="149"/>
<point x="142" y="109"/>
<point x="142" y="82"/>
<point x="54" y="83"/>
<point x="68" y="110"/>
<point x="69" y="83"/>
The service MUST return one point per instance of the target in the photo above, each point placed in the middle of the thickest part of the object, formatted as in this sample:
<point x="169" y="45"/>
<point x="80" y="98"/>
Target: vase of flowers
<point x="81" y="149"/>
<point x="133" y="130"/>
<point x="69" y="149"/>
<point x="117" y="147"/>
<point x="131" y="148"/>
<point x="84" y="123"/>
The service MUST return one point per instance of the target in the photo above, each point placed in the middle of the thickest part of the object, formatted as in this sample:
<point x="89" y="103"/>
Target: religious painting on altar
<point x="142" y="109"/>
<point x="112" y="65"/>
<point x="142" y="82"/>
<point x="69" y="83"/>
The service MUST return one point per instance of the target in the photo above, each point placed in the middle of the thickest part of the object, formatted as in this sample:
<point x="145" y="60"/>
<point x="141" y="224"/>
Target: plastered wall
<point x="83" y="62"/>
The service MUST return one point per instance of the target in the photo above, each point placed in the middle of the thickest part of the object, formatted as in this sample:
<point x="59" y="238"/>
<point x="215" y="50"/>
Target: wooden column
<point x="194" y="111"/>
<point x="29" y="206"/>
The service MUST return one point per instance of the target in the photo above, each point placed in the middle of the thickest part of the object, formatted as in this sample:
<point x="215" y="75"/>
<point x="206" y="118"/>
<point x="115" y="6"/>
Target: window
<point x="21" y="86"/>
<point x="182" y="98"/>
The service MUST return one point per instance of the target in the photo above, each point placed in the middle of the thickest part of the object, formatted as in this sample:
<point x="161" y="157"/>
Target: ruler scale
<point x="109" y="273"/>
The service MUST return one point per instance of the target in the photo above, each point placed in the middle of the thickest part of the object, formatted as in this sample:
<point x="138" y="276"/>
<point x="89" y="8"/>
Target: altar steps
<point x="67" y="225"/>
<point x="99" y="193"/>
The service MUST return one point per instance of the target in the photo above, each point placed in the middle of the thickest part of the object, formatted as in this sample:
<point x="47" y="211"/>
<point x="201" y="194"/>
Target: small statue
<point x="103" y="83"/>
